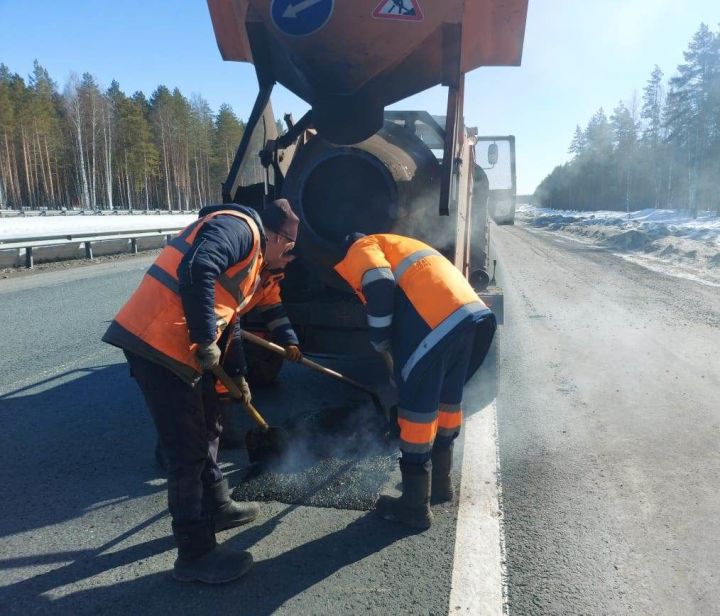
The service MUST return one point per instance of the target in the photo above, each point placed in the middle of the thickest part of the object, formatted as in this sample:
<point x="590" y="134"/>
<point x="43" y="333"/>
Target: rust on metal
<point x="353" y="61"/>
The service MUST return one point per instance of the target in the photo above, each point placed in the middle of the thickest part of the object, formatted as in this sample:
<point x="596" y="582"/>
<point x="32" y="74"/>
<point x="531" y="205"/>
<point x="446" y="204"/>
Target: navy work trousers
<point x="187" y="421"/>
<point x="433" y="396"/>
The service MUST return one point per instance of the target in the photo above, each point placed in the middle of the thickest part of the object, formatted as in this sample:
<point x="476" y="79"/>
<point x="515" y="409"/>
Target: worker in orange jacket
<point x="180" y="323"/>
<point x="434" y="331"/>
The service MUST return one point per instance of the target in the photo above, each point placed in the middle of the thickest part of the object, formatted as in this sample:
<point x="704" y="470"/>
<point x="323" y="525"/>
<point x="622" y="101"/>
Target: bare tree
<point x="108" y="121"/>
<point x="73" y="107"/>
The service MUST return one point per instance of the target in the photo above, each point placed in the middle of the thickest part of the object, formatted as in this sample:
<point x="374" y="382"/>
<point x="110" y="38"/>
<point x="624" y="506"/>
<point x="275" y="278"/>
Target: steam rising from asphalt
<point x="339" y="458"/>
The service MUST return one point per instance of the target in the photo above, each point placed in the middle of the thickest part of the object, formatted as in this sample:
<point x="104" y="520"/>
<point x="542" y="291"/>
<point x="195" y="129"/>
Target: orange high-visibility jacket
<point x="152" y="323"/>
<point x="431" y="297"/>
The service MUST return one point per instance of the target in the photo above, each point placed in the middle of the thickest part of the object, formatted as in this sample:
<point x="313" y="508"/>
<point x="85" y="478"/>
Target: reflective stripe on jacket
<point x="430" y="295"/>
<point x="152" y="323"/>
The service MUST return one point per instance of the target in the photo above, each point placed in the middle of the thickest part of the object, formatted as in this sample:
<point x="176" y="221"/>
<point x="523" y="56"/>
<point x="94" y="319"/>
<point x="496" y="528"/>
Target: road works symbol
<point x="404" y="10"/>
<point x="301" y="17"/>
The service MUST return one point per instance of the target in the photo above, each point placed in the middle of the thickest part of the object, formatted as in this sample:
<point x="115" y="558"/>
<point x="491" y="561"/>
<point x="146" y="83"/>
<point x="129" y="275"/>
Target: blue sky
<point x="579" y="55"/>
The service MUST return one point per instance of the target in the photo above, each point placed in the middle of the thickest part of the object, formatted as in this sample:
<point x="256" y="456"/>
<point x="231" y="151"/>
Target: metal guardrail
<point x="77" y="212"/>
<point x="87" y="238"/>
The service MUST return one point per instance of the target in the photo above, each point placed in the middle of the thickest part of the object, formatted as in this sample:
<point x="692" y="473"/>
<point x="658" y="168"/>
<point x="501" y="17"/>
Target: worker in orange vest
<point x="180" y="323"/>
<point x="434" y="332"/>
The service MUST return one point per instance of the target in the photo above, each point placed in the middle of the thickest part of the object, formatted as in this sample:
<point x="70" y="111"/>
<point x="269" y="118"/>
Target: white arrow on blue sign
<point x="301" y="17"/>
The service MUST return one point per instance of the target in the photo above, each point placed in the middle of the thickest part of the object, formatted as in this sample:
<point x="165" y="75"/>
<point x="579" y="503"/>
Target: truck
<point x="350" y="164"/>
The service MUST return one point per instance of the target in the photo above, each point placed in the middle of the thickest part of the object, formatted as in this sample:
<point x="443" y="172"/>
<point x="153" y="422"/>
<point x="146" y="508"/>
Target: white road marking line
<point x="478" y="567"/>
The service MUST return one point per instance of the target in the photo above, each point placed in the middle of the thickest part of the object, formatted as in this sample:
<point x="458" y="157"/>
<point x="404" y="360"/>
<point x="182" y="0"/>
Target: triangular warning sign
<point x="405" y="10"/>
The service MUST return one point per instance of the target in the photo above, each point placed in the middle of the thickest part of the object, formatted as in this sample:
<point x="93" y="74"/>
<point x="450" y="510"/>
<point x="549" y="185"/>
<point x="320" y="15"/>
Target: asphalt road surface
<point x="609" y="423"/>
<point x="608" y="427"/>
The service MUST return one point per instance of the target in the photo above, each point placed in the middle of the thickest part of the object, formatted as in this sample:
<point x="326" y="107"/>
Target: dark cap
<point x="352" y="238"/>
<point x="279" y="218"/>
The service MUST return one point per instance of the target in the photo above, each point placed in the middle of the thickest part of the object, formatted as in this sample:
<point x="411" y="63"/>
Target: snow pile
<point x="663" y="240"/>
<point x="43" y="226"/>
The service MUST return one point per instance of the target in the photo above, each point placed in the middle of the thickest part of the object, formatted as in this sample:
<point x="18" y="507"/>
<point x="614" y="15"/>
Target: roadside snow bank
<point x="40" y="226"/>
<point x="663" y="240"/>
<point x="25" y="226"/>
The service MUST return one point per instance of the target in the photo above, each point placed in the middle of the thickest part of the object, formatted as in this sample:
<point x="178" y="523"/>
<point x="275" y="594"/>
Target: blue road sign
<point x="301" y="17"/>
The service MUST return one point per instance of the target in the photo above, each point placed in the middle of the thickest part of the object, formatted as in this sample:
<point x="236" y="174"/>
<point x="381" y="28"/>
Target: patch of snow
<point x="26" y="226"/>
<point x="49" y="226"/>
<point x="669" y="241"/>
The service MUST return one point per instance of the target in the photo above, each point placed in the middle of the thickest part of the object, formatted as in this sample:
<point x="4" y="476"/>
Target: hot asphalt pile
<point x="339" y="458"/>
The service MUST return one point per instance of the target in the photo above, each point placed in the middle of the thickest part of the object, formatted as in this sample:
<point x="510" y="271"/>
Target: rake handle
<point x="276" y="348"/>
<point x="235" y="392"/>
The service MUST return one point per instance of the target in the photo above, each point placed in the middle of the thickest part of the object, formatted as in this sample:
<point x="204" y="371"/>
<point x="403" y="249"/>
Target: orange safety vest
<point x="436" y="289"/>
<point x="152" y="323"/>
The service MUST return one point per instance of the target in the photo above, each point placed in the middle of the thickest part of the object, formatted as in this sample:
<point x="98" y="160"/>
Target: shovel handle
<point x="235" y="392"/>
<point x="276" y="348"/>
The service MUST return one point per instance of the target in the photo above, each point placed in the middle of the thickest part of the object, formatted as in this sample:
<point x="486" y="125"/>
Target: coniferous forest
<point x="662" y="150"/>
<point x="86" y="147"/>
<point x="83" y="146"/>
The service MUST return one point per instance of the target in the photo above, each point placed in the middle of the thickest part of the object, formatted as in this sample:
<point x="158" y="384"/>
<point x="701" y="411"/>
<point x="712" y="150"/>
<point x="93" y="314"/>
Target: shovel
<point x="276" y="348"/>
<point x="264" y="443"/>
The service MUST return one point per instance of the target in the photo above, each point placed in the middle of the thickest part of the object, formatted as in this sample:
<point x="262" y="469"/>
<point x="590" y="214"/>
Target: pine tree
<point x="653" y="134"/>
<point x="690" y="119"/>
<point x="46" y="133"/>
<point x="598" y="134"/>
<point x="24" y="102"/>
<point x="625" y="133"/>
<point x="162" y="120"/>
<point x="201" y="136"/>
<point x="652" y="108"/>
<point x="9" y="189"/>
<point x="181" y="148"/>
<point x="578" y="145"/>
<point x="228" y="133"/>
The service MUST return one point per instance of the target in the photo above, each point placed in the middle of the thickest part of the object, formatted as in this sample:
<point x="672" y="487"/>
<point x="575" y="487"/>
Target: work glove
<point x="208" y="355"/>
<point x="293" y="353"/>
<point x="244" y="388"/>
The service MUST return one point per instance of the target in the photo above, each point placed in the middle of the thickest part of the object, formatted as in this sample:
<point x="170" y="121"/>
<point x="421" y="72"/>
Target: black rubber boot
<point x="442" y="487"/>
<point x="201" y="559"/>
<point x="231" y="436"/>
<point x="413" y="507"/>
<point x="226" y="512"/>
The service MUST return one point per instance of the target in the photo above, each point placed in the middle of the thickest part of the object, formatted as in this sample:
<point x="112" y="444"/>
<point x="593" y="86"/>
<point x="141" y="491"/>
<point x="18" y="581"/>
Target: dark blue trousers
<point x="430" y="401"/>
<point x="187" y="421"/>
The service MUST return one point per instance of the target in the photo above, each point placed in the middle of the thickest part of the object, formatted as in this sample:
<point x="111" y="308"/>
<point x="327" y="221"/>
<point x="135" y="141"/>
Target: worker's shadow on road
<point x="269" y="585"/>
<point x="80" y="444"/>
<point x="72" y="445"/>
<point x="277" y="580"/>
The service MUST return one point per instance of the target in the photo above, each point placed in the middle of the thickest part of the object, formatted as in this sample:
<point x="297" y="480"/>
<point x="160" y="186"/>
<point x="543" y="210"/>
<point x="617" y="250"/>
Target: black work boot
<point x="227" y="512"/>
<point x="442" y="487"/>
<point x="231" y="437"/>
<point x="201" y="559"/>
<point x="413" y="507"/>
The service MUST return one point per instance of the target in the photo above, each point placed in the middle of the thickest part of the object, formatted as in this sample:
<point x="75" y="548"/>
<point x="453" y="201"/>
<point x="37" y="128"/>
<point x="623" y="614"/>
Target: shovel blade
<point x="266" y="446"/>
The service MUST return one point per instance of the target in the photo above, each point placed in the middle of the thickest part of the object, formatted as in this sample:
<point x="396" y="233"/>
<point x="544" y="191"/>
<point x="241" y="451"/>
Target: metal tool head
<point x="267" y="446"/>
